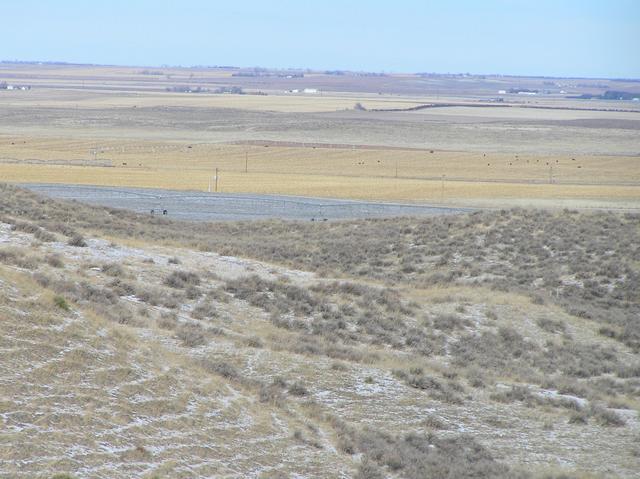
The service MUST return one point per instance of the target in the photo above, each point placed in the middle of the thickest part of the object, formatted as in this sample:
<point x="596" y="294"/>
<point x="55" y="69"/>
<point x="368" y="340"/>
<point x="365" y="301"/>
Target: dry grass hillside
<point x="499" y="344"/>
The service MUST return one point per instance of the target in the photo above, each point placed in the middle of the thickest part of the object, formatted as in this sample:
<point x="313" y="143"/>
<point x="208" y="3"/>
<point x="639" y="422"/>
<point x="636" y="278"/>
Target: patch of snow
<point x="553" y="394"/>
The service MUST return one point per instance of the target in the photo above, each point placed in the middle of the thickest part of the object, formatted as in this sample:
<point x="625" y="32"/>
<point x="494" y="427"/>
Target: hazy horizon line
<point x="310" y="69"/>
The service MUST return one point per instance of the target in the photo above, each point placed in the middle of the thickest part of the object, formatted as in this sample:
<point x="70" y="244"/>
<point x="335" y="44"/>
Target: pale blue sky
<point x="595" y="38"/>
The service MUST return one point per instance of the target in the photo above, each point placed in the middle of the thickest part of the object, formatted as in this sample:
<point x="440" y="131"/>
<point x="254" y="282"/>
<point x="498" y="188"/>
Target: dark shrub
<point x="298" y="389"/>
<point x="78" y="241"/>
<point x="191" y="335"/>
<point x="54" y="261"/>
<point x="222" y="368"/>
<point x="113" y="269"/>
<point x="182" y="279"/>
<point x="61" y="303"/>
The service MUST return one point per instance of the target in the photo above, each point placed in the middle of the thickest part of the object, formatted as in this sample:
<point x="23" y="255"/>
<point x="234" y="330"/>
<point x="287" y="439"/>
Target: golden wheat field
<point x="378" y="174"/>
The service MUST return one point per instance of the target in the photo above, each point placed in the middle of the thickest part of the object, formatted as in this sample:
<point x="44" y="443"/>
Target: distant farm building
<point x="523" y="91"/>
<point x="306" y="90"/>
<point x="5" y="86"/>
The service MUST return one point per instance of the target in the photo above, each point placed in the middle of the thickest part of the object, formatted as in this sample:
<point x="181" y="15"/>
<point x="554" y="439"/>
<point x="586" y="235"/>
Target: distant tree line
<point x="450" y="75"/>
<point x="522" y="90"/>
<point x="619" y="95"/>
<point x="608" y="95"/>
<point x="186" y="89"/>
<point x="235" y="90"/>
<point x="264" y="72"/>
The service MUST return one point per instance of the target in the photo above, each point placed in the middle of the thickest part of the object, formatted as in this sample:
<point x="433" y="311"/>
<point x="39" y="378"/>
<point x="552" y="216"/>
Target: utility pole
<point x="246" y="160"/>
<point x="442" y="192"/>
<point x="550" y="174"/>
<point x="396" y="167"/>
<point x="216" y="178"/>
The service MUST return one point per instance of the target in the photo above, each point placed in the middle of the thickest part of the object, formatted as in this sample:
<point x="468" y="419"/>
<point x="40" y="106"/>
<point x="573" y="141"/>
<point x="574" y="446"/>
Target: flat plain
<point x="119" y="126"/>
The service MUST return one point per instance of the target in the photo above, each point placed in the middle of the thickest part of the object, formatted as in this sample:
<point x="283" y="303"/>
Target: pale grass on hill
<point x="384" y="335"/>
<point x="90" y="396"/>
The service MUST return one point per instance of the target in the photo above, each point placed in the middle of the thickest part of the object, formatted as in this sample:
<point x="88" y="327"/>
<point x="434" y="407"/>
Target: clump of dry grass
<point x="122" y="288"/>
<point x="433" y="422"/>
<point x="297" y="388"/>
<point x="157" y="296"/>
<point x="222" y="368"/>
<point x="344" y="311"/>
<point x="18" y="257"/>
<point x="38" y="233"/>
<point x="253" y="342"/>
<point x="54" y="260"/>
<point x="168" y="320"/>
<point x="191" y="335"/>
<point x="450" y="322"/>
<point x="101" y="299"/>
<point x="77" y="240"/>
<point x="552" y="325"/>
<point x="448" y="392"/>
<point x="416" y="456"/>
<point x="205" y="310"/>
<point x="507" y="353"/>
<point x="182" y="279"/>
<point x="113" y="269"/>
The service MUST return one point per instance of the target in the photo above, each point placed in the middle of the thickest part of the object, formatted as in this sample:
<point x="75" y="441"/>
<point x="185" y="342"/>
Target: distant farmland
<point x="120" y="127"/>
<point x="356" y="173"/>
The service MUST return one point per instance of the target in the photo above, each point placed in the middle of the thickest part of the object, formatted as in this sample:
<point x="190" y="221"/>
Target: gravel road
<point x="201" y="206"/>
